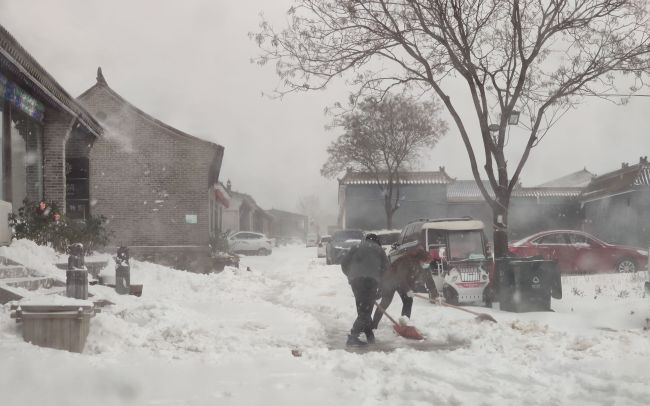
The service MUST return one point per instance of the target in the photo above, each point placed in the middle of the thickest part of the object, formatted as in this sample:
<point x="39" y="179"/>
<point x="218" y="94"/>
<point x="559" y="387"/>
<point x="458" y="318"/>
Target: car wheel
<point x="450" y="295"/>
<point x="626" y="265"/>
<point x="263" y="251"/>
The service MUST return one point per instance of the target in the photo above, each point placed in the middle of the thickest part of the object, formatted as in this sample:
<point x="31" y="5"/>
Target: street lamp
<point x="514" y="118"/>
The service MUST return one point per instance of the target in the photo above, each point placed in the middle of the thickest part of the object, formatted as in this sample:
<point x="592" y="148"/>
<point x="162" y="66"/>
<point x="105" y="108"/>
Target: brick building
<point x="617" y="205"/>
<point x="243" y="214"/>
<point x="41" y="126"/>
<point x="156" y="185"/>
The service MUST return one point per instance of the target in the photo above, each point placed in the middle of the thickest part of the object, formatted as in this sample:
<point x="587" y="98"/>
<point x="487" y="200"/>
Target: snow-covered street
<point x="228" y="339"/>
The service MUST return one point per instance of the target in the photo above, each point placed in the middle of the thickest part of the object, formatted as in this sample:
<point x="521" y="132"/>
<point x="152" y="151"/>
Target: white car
<point x="312" y="240"/>
<point x="250" y="243"/>
<point x="321" y="250"/>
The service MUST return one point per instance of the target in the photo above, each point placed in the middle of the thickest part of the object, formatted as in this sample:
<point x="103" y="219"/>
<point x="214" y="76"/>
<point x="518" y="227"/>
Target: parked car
<point x="250" y="243"/>
<point x="340" y="244"/>
<point x="387" y="238"/>
<point x="312" y="240"/>
<point x="321" y="250"/>
<point x="579" y="252"/>
<point x="454" y="252"/>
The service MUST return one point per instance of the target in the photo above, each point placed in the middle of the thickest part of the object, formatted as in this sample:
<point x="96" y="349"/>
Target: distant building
<point x="41" y="126"/>
<point x="243" y="214"/>
<point x="617" y="205"/>
<point x="437" y="195"/>
<point x="154" y="183"/>
<point x="361" y="203"/>
<point x="288" y="225"/>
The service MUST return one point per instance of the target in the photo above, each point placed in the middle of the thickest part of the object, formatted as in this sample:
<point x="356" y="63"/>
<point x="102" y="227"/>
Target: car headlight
<point x="642" y="252"/>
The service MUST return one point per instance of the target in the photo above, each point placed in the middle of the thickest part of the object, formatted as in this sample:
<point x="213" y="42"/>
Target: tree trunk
<point x="500" y="227"/>
<point x="389" y="219"/>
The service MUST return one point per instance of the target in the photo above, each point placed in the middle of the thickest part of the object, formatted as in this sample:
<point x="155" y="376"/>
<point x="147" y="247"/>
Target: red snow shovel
<point x="479" y="316"/>
<point x="405" y="331"/>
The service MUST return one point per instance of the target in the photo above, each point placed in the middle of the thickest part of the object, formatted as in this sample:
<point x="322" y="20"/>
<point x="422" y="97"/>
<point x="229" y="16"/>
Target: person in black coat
<point x="364" y="265"/>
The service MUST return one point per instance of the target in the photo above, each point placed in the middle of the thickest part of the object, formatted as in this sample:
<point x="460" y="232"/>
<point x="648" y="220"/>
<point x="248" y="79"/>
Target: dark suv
<point x="340" y="244"/>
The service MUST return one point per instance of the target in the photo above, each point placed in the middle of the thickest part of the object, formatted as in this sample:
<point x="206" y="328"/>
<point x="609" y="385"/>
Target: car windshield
<point x="345" y="235"/>
<point x="466" y="245"/>
<point x="388" y="239"/>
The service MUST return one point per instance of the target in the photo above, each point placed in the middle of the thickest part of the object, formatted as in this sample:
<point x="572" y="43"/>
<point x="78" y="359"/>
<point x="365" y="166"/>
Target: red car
<point x="580" y="252"/>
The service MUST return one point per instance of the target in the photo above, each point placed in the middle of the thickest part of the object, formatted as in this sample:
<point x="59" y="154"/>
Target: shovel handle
<point x="386" y="314"/>
<point x="448" y="305"/>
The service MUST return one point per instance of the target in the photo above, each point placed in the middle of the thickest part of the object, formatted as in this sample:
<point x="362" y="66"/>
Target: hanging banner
<point x="20" y="99"/>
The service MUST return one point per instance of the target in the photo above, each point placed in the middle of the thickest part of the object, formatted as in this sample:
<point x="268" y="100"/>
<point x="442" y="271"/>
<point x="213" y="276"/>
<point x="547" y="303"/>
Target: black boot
<point x="370" y="337"/>
<point x="354" y="341"/>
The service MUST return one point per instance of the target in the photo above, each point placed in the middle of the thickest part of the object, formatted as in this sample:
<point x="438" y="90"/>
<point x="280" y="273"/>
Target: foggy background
<point x="188" y="64"/>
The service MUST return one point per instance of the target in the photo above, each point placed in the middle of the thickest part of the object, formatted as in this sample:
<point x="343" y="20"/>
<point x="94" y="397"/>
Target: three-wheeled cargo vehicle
<point x="454" y="252"/>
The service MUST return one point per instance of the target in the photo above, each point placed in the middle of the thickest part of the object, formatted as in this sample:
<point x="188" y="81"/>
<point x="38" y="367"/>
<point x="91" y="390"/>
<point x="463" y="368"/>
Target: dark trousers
<point x="387" y="298"/>
<point x="365" y="292"/>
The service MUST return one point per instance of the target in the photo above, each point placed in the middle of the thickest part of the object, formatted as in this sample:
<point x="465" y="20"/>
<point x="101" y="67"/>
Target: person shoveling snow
<point x="364" y="266"/>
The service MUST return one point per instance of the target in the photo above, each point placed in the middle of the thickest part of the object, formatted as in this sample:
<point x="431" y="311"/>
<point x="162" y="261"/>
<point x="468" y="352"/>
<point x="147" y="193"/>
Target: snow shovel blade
<point x="409" y="332"/>
<point x="485" y="317"/>
<point x="403" y="330"/>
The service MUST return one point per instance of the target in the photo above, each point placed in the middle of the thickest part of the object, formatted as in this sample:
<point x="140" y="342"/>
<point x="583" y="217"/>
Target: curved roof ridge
<point x="28" y="66"/>
<point x="101" y="83"/>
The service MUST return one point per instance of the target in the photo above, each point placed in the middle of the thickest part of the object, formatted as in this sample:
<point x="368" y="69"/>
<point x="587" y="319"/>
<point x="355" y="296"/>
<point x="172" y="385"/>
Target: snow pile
<point x="276" y="334"/>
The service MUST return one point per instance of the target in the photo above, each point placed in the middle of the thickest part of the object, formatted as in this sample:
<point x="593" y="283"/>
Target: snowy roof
<point x="468" y="191"/>
<point x="576" y="179"/>
<point x="250" y="202"/>
<point x="628" y="177"/>
<point x="23" y="65"/>
<point x="405" y="178"/>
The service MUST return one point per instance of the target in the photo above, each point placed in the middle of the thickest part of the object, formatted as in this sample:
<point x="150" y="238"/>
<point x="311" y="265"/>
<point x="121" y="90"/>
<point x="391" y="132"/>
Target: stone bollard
<point x="77" y="275"/>
<point x="122" y="271"/>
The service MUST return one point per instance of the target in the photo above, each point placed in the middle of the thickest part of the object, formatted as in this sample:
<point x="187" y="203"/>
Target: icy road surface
<point x="227" y="339"/>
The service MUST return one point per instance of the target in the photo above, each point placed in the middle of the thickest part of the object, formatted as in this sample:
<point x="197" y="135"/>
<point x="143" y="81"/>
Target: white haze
<point x="188" y="64"/>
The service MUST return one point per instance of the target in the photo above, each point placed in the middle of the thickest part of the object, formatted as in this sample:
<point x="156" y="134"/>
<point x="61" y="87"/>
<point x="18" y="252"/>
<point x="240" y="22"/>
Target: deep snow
<point x="228" y="338"/>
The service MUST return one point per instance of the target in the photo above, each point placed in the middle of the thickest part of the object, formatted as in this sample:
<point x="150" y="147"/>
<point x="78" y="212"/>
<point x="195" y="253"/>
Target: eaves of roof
<point x="25" y="66"/>
<point x="405" y="178"/>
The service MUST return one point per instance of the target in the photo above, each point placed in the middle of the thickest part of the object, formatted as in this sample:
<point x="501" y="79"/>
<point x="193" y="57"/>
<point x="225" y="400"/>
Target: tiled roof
<point x="628" y="177"/>
<point x="14" y="57"/>
<point x="576" y="179"/>
<point x="406" y="178"/>
<point x="468" y="191"/>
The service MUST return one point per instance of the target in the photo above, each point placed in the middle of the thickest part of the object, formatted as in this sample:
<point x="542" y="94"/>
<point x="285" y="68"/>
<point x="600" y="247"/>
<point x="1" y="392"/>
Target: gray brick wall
<point x="146" y="178"/>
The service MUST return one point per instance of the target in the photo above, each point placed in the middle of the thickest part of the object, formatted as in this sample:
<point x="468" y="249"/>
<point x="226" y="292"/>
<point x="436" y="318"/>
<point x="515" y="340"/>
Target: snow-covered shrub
<point x="43" y="223"/>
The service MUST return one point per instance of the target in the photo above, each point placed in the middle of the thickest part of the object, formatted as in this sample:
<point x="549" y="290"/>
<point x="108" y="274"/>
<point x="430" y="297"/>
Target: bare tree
<point x="536" y="57"/>
<point x="383" y="138"/>
<point x="310" y="206"/>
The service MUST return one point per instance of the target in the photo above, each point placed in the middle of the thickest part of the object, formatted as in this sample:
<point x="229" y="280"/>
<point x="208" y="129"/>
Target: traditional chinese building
<point x="158" y="186"/>
<point x="617" y="205"/>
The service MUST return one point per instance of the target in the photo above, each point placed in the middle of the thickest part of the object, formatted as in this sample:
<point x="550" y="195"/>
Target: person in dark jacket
<point x="364" y="266"/>
<point x="401" y="278"/>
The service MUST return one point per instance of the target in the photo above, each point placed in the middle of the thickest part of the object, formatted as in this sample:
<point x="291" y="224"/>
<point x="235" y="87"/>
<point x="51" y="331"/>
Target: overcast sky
<point x="188" y="64"/>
